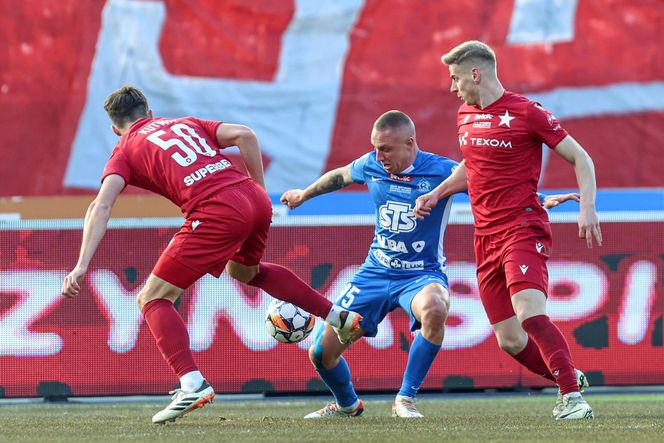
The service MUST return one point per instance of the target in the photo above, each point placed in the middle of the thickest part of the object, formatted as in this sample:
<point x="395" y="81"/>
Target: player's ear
<point x="149" y="113"/>
<point x="476" y="74"/>
<point x="116" y="131"/>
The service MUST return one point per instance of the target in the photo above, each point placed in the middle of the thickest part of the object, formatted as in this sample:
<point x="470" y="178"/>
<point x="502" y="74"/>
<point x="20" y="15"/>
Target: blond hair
<point x="472" y="50"/>
<point x="125" y="105"/>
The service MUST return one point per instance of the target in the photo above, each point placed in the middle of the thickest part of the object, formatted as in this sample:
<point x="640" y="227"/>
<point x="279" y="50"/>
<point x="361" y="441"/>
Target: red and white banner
<point x="608" y="301"/>
<point x="311" y="77"/>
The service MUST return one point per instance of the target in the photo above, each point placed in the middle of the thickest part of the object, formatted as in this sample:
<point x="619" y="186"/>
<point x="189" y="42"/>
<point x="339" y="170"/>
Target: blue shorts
<point x="375" y="293"/>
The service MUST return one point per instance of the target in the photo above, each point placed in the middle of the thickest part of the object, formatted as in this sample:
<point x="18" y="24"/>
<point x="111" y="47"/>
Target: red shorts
<point x="231" y="225"/>
<point x="510" y="261"/>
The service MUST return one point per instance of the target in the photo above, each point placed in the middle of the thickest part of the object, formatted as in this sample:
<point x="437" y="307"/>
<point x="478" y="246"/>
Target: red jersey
<point x="177" y="158"/>
<point x="502" y="147"/>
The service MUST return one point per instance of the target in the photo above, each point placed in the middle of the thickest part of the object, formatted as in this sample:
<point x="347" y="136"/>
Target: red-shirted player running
<point x="501" y="135"/>
<point x="227" y="217"/>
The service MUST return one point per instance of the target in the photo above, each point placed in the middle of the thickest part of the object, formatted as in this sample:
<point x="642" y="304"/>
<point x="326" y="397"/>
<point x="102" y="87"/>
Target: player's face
<point x="463" y="84"/>
<point x="394" y="149"/>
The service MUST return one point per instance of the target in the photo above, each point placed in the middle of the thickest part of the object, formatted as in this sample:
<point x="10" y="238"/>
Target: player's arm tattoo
<point x="329" y="182"/>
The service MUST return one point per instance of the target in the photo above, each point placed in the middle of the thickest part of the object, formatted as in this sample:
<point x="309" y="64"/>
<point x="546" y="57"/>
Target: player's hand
<point x="551" y="201"/>
<point x="424" y="204"/>
<point x="589" y="227"/>
<point x="71" y="286"/>
<point x="293" y="198"/>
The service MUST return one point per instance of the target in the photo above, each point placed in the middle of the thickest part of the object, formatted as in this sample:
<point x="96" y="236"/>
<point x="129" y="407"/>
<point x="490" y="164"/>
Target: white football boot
<point x="184" y="402"/>
<point x="333" y="410"/>
<point x="405" y="407"/>
<point x="350" y="323"/>
<point x="574" y="408"/>
<point x="582" y="380"/>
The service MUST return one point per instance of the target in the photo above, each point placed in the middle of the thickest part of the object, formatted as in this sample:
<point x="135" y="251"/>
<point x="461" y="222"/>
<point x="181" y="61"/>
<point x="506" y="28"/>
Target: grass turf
<point x="619" y="418"/>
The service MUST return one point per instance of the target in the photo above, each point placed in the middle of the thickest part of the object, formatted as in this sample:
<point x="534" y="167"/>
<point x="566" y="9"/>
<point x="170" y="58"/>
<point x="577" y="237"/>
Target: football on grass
<point x="287" y="323"/>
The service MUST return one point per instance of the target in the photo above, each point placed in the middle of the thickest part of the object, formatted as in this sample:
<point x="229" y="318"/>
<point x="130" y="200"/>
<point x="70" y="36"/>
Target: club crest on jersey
<point x="505" y="119"/>
<point x="424" y="185"/>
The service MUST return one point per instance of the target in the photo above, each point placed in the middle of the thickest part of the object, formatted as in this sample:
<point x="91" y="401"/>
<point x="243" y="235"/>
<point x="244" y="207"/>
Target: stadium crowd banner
<point x="311" y="77"/>
<point x="608" y="301"/>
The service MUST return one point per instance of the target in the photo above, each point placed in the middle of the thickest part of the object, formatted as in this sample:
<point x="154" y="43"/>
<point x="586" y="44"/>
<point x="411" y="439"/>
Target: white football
<point x="287" y="323"/>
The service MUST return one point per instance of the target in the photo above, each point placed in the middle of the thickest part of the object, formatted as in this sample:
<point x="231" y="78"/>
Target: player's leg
<point x="278" y="281"/>
<point x="498" y="306"/>
<point x="530" y="307"/>
<point x="428" y="309"/>
<point x="365" y="294"/>
<point x="513" y="339"/>
<point x="170" y="333"/>
<point x="527" y="278"/>
<point x="326" y="356"/>
<point x="282" y="283"/>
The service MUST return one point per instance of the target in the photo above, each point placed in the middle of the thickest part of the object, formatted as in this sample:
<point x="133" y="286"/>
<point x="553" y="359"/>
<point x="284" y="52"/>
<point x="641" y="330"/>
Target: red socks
<point x="531" y="358"/>
<point x="555" y="351"/>
<point x="282" y="283"/>
<point x="170" y="333"/>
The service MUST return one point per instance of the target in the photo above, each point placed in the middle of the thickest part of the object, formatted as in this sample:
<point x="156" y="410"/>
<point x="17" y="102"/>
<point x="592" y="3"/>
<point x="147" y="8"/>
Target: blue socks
<point x="420" y="358"/>
<point x="338" y="380"/>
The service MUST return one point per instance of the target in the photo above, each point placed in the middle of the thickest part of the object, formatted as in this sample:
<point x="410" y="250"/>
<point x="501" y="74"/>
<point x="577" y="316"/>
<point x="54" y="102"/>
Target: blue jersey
<point x="402" y="244"/>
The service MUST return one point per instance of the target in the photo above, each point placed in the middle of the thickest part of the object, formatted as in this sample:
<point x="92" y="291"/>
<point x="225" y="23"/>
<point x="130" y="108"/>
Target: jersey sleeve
<point x="117" y="164"/>
<point x="545" y="125"/>
<point x="448" y="167"/>
<point x="210" y="126"/>
<point x="357" y="168"/>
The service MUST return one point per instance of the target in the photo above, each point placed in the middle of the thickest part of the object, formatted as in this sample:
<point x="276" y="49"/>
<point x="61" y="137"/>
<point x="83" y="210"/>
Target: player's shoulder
<point x="366" y="164"/>
<point x="367" y="160"/>
<point x="426" y="158"/>
<point x="512" y="99"/>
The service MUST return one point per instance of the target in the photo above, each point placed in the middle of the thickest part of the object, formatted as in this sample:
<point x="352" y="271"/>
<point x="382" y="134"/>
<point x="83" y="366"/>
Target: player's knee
<point x="142" y="299"/>
<point x="435" y="313"/>
<point x="512" y="344"/>
<point x="241" y="273"/>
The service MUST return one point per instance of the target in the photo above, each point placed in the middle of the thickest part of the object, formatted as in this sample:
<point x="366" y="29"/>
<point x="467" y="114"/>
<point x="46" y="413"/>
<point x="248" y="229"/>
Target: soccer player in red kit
<point x="501" y="135"/>
<point x="227" y="217"/>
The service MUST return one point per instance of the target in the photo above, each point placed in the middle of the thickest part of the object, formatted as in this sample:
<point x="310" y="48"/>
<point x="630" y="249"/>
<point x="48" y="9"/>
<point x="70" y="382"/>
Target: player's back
<point x="177" y="158"/>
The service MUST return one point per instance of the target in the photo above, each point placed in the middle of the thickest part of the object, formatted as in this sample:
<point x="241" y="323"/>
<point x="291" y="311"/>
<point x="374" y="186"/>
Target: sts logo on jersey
<point x="397" y="217"/>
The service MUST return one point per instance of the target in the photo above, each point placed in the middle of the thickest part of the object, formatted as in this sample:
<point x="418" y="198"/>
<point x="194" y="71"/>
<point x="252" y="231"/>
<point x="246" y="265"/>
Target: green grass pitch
<point x="474" y="418"/>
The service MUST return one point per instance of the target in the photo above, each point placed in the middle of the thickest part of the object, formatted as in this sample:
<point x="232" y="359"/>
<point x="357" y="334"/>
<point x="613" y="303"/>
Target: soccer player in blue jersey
<point x="405" y="266"/>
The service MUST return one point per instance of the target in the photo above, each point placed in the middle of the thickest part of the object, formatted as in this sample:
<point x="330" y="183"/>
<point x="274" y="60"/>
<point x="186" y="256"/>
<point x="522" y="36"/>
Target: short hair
<point x="393" y="120"/>
<point x="472" y="50"/>
<point x="127" y="104"/>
